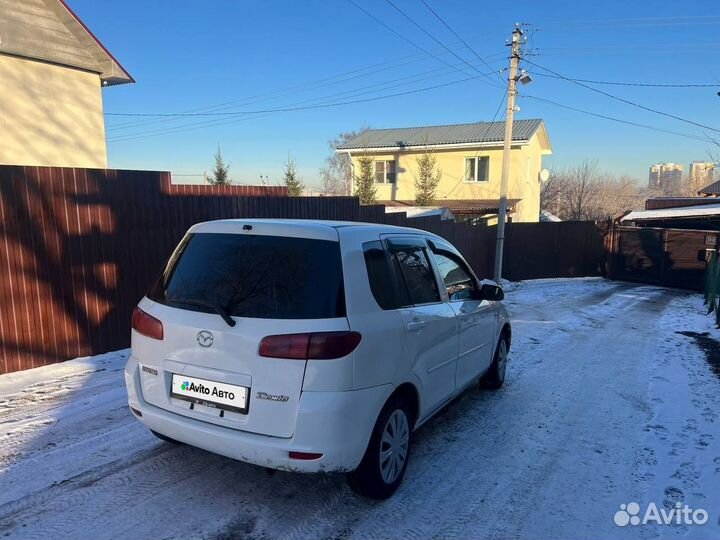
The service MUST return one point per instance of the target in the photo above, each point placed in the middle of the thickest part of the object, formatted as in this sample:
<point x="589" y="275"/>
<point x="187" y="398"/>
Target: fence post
<point x="663" y="253"/>
<point x="610" y="251"/>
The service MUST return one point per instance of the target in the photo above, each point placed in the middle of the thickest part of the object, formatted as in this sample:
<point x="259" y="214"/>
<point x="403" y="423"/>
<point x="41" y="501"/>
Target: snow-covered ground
<point x="606" y="403"/>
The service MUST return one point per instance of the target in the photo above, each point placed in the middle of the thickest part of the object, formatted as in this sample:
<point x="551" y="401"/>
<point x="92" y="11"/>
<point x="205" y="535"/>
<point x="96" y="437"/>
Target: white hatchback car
<point x="312" y="345"/>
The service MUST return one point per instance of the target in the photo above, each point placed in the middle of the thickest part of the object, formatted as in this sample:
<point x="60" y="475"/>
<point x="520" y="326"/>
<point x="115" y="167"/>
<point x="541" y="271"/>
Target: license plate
<point x="220" y="395"/>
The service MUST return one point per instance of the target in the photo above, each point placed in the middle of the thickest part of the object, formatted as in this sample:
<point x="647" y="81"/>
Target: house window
<point x="477" y="169"/>
<point x="385" y="172"/>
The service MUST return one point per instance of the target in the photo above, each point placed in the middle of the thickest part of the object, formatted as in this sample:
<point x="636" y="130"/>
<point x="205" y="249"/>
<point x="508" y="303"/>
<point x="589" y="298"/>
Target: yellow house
<point x="52" y="70"/>
<point x="469" y="157"/>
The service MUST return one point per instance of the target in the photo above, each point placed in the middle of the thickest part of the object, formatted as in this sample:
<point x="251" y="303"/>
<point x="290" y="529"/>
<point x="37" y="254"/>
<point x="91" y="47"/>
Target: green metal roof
<point x="479" y="132"/>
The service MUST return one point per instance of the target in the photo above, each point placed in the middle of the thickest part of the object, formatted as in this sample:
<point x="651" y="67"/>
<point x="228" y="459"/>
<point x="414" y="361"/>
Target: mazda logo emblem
<point x="205" y="338"/>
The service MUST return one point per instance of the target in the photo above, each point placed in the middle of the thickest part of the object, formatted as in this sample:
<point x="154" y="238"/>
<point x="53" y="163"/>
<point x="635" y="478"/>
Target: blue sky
<point x="189" y="55"/>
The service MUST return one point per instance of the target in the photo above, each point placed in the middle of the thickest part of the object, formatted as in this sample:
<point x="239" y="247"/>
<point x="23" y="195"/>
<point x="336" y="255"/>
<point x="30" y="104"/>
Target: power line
<point x="436" y="40"/>
<point x="210" y="123"/>
<point x="323" y="105"/>
<point x="458" y="36"/>
<point x="355" y="92"/>
<point x="462" y="177"/>
<point x="620" y="120"/>
<point x="633" y="22"/>
<point x="292" y="107"/>
<point x="626" y="49"/>
<point x="623" y="100"/>
<point x="319" y="83"/>
<point x="502" y="100"/>
<point x="640" y="46"/>
<point x="398" y="34"/>
<point x="357" y="73"/>
<point x="633" y="19"/>
<point x="649" y="85"/>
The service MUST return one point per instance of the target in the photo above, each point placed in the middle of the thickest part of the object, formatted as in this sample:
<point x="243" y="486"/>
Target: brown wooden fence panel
<point x="79" y="248"/>
<point x="685" y="257"/>
<point x="564" y="249"/>
<point x="668" y="257"/>
<point x="638" y="254"/>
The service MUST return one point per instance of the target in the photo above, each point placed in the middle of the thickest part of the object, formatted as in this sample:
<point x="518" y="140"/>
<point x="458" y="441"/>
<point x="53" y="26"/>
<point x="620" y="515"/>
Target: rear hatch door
<point x="222" y="292"/>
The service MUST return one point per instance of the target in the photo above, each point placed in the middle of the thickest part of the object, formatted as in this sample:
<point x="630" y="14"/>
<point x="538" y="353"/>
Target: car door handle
<point x="415" y="325"/>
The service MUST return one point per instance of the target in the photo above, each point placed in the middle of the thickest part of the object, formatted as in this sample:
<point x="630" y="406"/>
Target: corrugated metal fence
<point x="79" y="248"/>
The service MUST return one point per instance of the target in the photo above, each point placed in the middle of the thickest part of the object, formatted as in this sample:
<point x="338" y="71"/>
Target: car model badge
<point x="205" y="338"/>
<point x="272" y="397"/>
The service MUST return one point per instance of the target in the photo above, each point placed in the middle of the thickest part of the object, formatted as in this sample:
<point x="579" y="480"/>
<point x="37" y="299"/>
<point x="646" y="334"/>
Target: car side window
<point x="459" y="282"/>
<point x="389" y="293"/>
<point x="417" y="272"/>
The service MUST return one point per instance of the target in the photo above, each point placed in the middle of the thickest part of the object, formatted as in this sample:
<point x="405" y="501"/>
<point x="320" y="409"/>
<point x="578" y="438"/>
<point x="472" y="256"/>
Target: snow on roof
<point x="712" y="189"/>
<point x="704" y="210"/>
<point x="421" y="211"/>
<point x="547" y="217"/>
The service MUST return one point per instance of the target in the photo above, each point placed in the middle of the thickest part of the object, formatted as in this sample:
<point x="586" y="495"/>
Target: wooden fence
<point x="79" y="248"/>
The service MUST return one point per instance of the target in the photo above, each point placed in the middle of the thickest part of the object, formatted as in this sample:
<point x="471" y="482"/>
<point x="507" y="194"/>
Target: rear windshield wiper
<point x="217" y="308"/>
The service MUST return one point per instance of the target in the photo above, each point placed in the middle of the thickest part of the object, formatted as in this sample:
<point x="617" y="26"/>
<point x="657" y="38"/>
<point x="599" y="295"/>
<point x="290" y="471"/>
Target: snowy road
<point x="605" y="404"/>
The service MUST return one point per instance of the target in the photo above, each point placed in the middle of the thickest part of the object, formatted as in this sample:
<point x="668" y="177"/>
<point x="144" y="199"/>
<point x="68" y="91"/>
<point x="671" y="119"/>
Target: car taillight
<point x="311" y="346"/>
<point x="328" y="345"/>
<point x="304" y="455"/>
<point x="146" y="324"/>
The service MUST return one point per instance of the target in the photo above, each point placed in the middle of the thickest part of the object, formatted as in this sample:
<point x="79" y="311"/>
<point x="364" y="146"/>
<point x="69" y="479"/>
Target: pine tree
<point x="427" y="180"/>
<point x="221" y="172"/>
<point x="365" y="181"/>
<point x="293" y="182"/>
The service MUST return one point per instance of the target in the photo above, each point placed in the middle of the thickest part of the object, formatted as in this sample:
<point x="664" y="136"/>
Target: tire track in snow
<point x="61" y="507"/>
<point x="467" y="477"/>
<point x="476" y="427"/>
<point x="458" y="429"/>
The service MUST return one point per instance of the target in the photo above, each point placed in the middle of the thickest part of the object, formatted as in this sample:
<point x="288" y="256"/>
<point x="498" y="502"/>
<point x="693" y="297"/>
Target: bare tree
<point x="584" y="192"/>
<point x="615" y="196"/>
<point x="336" y="174"/>
<point x="551" y="193"/>
<point x="714" y="156"/>
<point x="581" y="186"/>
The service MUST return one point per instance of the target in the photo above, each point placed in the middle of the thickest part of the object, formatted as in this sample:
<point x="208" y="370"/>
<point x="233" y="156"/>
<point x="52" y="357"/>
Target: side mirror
<point x="491" y="292"/>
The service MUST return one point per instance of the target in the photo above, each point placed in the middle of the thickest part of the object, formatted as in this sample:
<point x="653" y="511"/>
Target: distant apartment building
<point x="701" y="174"/>
<point x="667" y="176"/>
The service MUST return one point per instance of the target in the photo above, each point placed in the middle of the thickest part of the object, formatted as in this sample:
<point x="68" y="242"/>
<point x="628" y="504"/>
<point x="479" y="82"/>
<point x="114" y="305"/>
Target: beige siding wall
<point x="525" y="166"/>
<point x="50" y="115"/>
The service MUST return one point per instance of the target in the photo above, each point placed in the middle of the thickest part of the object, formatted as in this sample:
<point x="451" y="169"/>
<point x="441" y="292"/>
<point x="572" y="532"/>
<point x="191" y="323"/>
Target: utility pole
<point x="507" y="144"/>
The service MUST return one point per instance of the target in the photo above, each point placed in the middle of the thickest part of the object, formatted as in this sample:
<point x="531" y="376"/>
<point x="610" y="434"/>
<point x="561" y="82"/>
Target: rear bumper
<point x="335" y="424"/>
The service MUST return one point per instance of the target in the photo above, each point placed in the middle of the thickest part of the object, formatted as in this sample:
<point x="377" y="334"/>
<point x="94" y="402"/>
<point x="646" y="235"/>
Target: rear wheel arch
<point x="410" y="395"/>
<point x="369" y="478"/>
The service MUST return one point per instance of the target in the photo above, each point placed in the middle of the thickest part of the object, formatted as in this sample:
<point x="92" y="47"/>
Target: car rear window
<point x="266" y="277"/>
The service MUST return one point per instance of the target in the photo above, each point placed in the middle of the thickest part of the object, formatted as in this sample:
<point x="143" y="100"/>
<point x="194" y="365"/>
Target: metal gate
<point x="668" y="257"/>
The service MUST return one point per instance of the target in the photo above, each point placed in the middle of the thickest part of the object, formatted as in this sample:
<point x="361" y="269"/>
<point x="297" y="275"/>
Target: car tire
<point x="495" y="376"/>
<point x="164" y="437"/>
<point x="379" y="478"/>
